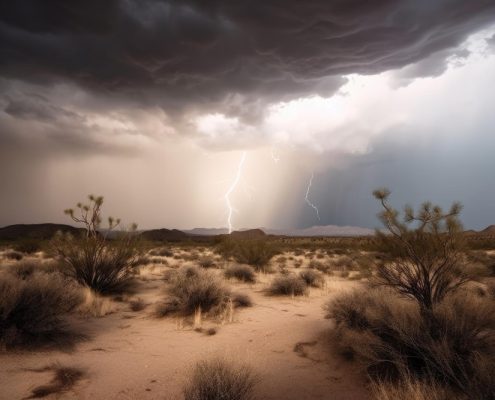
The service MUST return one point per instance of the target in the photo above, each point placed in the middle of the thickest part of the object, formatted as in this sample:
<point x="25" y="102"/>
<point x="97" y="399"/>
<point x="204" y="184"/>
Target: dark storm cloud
<point x="225" y="53"/>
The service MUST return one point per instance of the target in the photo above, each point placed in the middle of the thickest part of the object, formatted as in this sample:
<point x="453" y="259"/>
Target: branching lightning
<point x="307" y="199"/>
<point x="232" y="187"/>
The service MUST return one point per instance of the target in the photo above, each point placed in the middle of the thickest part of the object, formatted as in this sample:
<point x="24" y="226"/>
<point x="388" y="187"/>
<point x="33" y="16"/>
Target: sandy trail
<point x="130" y="355"/>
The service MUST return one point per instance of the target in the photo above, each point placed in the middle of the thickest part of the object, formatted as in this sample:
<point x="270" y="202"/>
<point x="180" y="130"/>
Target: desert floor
<point x="133" y="355"/>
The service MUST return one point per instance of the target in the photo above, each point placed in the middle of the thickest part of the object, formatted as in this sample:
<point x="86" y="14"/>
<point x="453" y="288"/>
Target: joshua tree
<point x="426" y="247"/>
<point x="90" y="216"/>
<point x="93" y="260"/>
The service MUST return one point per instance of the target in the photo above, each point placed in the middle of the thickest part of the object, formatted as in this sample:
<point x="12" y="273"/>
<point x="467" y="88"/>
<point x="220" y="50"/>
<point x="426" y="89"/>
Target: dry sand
<point x="131" y="355"/>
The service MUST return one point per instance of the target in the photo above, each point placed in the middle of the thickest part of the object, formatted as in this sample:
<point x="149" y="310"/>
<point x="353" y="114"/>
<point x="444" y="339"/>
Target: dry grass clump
<point x="409" y="388"/>
<point x="242" y="272"/>
<point x="192" y="289"/>
<point x="325" y="268"/>
<point x="32" y="309"/>
<point x="454" y="344"/>
<point x="254" y="252"/>
<point x="161" y="252"/>
<point x="312" y="278"/>
<point x="25" y="269"/>
<point x="241" y="300"/>
<point x="13" y="255"/>
<point x="104" y="266"/>
<point x="217" y="379"/>
<point x="288" y="285"/>
<point x="206" y="262"/>
<point x="64" y="378"/>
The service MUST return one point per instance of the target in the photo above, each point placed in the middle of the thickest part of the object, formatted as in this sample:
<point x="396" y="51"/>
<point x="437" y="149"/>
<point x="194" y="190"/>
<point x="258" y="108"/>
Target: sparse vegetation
<point x="242" y="272"/>
<point x="254" y="252"/>
<point x="216" y="379"/>
<point x="288" y="285"/>
<point x="92" y="260"/>
<point x="312" y="278"/>
<point x="32" y="310"/>
<point x="192" y="288"/>
<point x="13" y="255"/>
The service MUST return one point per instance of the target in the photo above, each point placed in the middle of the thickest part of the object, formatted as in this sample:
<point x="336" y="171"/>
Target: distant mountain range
<point x="326" y="230"/>
<point x="46" y="231"/>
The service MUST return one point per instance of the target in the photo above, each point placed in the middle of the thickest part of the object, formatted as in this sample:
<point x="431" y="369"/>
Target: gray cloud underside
<point x="204" y="54"/>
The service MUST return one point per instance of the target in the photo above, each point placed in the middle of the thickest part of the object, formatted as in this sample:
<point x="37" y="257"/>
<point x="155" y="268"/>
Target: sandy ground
<point x="131" y="355"/>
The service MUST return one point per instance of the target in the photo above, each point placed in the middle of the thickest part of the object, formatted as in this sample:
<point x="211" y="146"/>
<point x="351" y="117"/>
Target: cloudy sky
<point x="173" y="109"/>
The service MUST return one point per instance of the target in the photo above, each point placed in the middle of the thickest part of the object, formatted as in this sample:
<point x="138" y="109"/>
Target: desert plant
<point x="217" y="379"/>
<point x="254" y="252"/>
<point x="425" y="265"/>
<point x="312" y="278"/>
<point x="391" y="336"/>
<point x="325" y="268"/>
<point x="13" y="255"/>
<point x="192" y="289"/>
<point x="288" y="285"/>
<point x="32" y="309"/>
<point x="241" y="272"/>
<point x="241" y="300"/>
<point x="104" y="265"/>
<point x="206" y="262"/>
<point x="162" y="252"/>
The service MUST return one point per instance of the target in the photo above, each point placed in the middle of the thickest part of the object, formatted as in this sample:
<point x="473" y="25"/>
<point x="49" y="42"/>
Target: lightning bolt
<point x="275" y="158"/>
<point x="231" y="189"/>
<point x="306" y="199"/>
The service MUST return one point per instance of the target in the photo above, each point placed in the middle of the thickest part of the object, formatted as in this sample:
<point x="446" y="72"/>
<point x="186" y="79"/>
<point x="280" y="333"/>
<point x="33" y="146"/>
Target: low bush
<point x="312" y="278"/>
<point x="288" y="285"/>
<point x="13" y="255"/>
<point x="206" y="262"/>
<point x="192" y="288"/>
<point x="241" y="300"/>
<point x="454" y="344"/>
<point x="242" y="272"/>
<point x="254" y="252"/>
<point x="25" y="269"/>
<point x="102" y="265"/>
<point x="32" y="310"/>
<point x="217" y="379"/>
<point x="162" y="252"/>
<point x="325" y="268"/>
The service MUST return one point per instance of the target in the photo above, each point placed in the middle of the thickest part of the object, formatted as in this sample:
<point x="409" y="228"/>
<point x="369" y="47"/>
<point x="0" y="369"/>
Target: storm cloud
<point x="152" y="103"/>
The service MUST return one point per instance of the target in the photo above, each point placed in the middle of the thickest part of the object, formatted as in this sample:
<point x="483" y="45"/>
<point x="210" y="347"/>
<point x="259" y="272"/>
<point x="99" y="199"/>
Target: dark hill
<point x="35" y="231"/>
<point x="490" y="230"/>
<point x="164" y="235"/>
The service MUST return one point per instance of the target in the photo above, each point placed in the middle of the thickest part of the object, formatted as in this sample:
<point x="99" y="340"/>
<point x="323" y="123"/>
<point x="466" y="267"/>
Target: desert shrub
<point x="106" y="266"/>
<point x="297" y="264"/>
<point x="410" y="388"/>
<point x="425" y="263"/>
<point x="25" y="269"/>
<point x="312" y="278"/>
<point x="325" y="268"/>
<point x="288" y="285"/>
<point x="217" y="379"/>
<point x="32" y="309"/>
<point x="454" y="345"/>
<point x="162" y="252"/>
<point x="241" y="272"/>
<point x="13" y="255"/>
<point x="241" y="300"/>
<point x="257" y="252"/>
<point x="27" y="246"/>
<point x="137" y="305"/>
<point x="206" y="262"/>
<point x="192" y="288"/>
